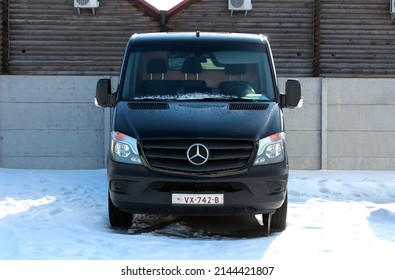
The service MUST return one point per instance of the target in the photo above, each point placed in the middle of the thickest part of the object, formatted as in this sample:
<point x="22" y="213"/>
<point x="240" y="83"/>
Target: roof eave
<point x="162" y="16"/>
<point x="147" y="8"/>
<point x="180" y="6"/>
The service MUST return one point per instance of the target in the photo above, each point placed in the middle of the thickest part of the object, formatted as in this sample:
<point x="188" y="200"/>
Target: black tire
<point x="279" y="218"/>
<point x="117" y="217"/>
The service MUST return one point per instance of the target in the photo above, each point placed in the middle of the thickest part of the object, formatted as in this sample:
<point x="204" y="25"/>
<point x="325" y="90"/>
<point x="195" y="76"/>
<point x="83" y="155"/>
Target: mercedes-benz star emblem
<point x="197" y="154"/>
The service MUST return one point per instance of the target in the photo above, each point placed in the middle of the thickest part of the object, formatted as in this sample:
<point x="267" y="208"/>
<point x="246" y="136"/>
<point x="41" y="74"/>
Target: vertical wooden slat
<point x="317" y="39"/>
<point x="3" y="36"/>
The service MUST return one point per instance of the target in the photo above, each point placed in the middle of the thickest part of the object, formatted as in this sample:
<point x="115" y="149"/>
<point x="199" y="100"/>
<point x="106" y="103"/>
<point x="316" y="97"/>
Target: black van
<point x="197" y="128"/>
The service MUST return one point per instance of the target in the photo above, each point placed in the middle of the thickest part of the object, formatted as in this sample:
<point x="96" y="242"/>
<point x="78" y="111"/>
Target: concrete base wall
<point x="360" y="120"/>
<point x="344" y="124"/>
<point x="51" y="123"/>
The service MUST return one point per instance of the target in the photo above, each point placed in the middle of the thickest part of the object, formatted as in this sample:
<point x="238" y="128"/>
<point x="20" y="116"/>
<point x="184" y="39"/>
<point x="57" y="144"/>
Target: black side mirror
<point x="293" y="94"/>
<point x="104" y="98"/>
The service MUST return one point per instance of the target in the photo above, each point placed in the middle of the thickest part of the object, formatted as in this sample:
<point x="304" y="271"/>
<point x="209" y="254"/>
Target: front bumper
<point x="136" y="189"/>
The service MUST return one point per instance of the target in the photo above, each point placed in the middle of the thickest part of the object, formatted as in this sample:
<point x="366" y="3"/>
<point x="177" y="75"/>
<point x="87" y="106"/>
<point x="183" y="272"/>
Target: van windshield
<point x="204" y="72"/>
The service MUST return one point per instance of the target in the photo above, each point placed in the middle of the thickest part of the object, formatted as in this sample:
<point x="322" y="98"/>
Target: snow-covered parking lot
<point x="335" y="218"/>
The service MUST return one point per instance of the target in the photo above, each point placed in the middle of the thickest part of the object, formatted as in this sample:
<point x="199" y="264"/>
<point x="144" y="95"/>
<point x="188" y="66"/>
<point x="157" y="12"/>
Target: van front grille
<point x="223" y="156"/>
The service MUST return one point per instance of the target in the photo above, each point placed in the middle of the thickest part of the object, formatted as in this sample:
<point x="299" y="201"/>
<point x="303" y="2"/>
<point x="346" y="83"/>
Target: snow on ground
<point x="335" y="219"/>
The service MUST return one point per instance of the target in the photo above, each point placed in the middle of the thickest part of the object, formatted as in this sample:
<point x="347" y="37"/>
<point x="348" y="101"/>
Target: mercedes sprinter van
<point x="197" y="128"/>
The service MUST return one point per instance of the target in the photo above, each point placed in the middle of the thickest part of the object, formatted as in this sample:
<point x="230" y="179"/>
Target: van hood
<point x="145" y="120"/>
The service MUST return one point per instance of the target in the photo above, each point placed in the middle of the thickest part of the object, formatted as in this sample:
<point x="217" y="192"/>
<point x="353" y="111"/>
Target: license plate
<point x="197" y="199"/>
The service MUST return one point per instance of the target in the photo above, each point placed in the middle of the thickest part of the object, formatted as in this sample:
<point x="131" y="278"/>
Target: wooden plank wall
<point x="357" y="39"/>
<point x="288" y="25"/>
<point x="329" y="38"/>
<point x="48" y="37"/>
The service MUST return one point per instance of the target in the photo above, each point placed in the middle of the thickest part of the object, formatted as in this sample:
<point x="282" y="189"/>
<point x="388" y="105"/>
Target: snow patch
<point x="10" y="206"/>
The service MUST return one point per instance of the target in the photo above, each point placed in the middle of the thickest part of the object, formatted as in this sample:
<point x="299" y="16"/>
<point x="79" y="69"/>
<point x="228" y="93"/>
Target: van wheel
<point x="117" y="217"/>
<point x="279" y="218"/>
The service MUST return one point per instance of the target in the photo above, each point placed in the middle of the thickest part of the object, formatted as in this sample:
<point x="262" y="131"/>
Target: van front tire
<point x="279" y="218"/>
<point x="117" y="217"/>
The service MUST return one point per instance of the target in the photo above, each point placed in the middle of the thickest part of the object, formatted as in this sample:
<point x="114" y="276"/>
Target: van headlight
<point x="271" y="149"/>
<point x="124" y="148"/>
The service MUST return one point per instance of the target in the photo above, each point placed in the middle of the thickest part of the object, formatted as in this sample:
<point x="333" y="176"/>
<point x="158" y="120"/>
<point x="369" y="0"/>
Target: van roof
<point x="174" y="37"/>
